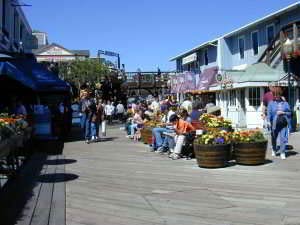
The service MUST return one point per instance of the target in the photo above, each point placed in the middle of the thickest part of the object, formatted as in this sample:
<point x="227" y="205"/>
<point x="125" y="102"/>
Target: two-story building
<point x="15" y="33"/>
<point x="240" y="65"/>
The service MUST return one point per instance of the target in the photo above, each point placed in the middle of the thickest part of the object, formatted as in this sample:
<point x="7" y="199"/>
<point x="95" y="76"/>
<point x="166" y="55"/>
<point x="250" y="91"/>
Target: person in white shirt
<point x="187" y="105"/>
<point x="155" y="106"/>
<point x="108" y="109"/>
<point x="120" y="111"/>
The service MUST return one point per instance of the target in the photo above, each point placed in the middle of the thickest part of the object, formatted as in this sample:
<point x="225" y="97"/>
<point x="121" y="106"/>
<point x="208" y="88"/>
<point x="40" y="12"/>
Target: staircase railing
<point x="275" y="47"/>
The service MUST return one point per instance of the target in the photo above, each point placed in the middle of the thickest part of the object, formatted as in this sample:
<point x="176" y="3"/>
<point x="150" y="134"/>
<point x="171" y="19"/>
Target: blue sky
<point x="146" y="33"/>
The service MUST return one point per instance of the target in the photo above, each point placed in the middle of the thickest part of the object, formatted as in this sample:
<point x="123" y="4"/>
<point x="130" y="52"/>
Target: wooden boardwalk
<point x="122" y="183"/>
<point x="37" y="195"/>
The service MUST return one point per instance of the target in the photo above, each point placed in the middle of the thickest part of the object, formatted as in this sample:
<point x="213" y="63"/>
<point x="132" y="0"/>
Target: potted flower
<point x="212" y="149"/>
<point x="250" y="147"/>
<point x="212" y="121"/>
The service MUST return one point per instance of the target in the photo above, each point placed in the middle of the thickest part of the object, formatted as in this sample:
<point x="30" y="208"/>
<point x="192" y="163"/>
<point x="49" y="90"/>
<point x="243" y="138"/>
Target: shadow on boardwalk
<point x="37" y="194"/>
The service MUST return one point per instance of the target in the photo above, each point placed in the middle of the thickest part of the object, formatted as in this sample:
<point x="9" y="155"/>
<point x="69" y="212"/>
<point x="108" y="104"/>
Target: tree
<point x="81" y="71"/>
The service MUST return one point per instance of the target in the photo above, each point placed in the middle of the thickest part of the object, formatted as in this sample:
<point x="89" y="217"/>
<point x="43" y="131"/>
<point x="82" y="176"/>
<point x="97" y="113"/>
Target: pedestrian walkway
<point x="120" y="182"/>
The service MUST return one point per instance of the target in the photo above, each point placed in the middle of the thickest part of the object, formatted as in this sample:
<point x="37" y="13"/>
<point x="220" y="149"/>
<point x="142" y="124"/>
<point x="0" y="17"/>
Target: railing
<point x="274" y="47"/>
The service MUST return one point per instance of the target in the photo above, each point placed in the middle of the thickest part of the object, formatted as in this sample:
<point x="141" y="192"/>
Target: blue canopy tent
<point x="11" y="71"/>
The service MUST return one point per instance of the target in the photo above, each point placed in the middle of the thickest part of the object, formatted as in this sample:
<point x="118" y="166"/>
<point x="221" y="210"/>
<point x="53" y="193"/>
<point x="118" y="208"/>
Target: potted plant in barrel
<point x="250" y="147"/>
<point x="212" y="121"/>
<point x="212" y="149"/>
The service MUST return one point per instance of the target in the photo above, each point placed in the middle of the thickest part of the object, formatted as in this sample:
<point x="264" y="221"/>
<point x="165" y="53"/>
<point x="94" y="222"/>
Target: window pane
<point x="241" y="47"/>
<point x="205" y="57"/>
<point x="270" y="34"/>
<point x="255" y="43"/>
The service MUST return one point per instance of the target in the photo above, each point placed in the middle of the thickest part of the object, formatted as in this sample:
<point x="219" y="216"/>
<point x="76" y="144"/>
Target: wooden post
<point x="295" y="35"/>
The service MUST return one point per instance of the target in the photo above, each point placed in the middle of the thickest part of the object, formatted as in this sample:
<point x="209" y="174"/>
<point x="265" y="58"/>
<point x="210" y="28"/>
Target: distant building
<point x="42" y="38"/>
<point x="57" y="53"/>
<point x="15" y="32"/>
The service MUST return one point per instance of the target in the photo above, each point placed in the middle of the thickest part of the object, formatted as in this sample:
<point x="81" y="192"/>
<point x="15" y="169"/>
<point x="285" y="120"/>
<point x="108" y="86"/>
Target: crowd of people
<point x="176" y="123"/>
<point x="95" y="113"/>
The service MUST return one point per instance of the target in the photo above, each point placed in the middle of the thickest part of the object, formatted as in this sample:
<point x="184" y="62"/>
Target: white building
<point x="58" y="53"/>
<point x="42" y="38"/>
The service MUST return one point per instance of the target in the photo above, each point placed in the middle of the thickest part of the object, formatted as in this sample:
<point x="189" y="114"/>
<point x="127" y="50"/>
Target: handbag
<point x="281" y="122"/>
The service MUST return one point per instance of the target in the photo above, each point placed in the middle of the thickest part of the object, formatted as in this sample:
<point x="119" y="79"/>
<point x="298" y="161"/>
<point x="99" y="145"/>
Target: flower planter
<point x="212" y="156"/>
<point x="146" y="135"/>
<point x="250" y="153"/>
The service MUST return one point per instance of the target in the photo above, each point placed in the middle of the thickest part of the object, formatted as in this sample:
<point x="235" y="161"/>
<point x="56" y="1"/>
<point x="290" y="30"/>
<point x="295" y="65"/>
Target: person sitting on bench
<point x="181" y="128"/>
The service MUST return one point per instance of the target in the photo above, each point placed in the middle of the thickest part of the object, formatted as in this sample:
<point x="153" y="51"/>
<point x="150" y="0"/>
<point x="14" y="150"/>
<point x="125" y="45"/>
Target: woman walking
<point x="279" y="114"/>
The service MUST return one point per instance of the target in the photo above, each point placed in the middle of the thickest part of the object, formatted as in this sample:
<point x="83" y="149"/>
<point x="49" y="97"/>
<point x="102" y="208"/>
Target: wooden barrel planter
<point x="146" y="135"/>
<point x="212" y="156"/>
<point x="250" y="153"/>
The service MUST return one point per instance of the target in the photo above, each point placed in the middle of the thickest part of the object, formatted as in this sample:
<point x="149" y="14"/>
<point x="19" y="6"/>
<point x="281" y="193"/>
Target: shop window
<point x="242" y="47"/>
<point x="206" y="57"/>
<point x="254" y="97"/>
<point x="255" y="44"/>
<point x="232" y="98"/>
<point x="270" y="33"/>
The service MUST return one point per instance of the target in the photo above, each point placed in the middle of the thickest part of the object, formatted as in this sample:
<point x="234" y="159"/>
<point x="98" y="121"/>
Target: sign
<point x="108" y="53"/>
<point x="189" y="59"/>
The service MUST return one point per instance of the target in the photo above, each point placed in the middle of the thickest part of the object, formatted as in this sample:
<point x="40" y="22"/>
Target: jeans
<point x="87" y="134"/>
<point x="169" y="142"/>
<point x="283" y="138"/>
<point x="132" y="128"/>
<point x="157" y="133"/>
<point x="95" y="129"/>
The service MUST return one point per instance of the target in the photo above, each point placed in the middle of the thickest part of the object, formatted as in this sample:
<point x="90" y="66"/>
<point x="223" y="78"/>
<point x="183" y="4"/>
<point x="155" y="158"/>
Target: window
<point x="242" y="47"/>
<point x="15" y="25"/>
<point x="205" y="57"/>
<point x="21" y="32"/>
<point x="254" y="38"/>
<point x="3" y="15"/>
<point x="254" y="96"/>
<point x="270" y="33"/>
<point x="232" y="98"/>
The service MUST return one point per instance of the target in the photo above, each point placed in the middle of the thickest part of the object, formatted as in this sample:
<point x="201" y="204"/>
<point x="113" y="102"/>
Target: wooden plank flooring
<point x="120" y="182"/>
<point x="36" y="196"/>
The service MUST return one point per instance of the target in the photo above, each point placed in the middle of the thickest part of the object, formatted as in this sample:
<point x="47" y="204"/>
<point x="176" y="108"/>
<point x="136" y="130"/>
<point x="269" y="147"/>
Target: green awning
<point x="259" y="72"/>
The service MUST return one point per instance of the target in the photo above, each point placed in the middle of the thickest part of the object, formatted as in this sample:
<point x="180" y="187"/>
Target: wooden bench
<point x="37" y="196"/>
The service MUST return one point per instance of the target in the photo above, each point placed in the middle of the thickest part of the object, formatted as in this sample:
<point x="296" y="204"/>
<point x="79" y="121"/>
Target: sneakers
<point x="282" y="155"/>
<point x="273" y="153"/>
<point x="174" y="156"/>
<point x="160" y="149"/>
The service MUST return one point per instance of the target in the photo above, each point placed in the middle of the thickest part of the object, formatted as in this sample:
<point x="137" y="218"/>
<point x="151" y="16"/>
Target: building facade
<point x="57" y="53"/>
<point x="15" y="33"/>
<point x="241" y="84"/>
<point x="42" y="38"/>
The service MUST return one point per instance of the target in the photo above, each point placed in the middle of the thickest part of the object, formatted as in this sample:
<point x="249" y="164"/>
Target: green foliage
<point x="81" y="71"/>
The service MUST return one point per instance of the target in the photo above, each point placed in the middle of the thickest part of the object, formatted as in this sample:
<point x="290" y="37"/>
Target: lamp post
<point x="288" y="49"/>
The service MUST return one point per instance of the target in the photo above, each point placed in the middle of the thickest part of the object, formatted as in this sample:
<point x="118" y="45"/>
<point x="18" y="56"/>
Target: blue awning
<point x="45" y="80"/>
<point x="11" y="71"/>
